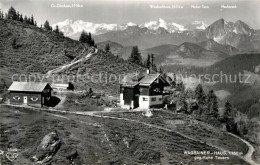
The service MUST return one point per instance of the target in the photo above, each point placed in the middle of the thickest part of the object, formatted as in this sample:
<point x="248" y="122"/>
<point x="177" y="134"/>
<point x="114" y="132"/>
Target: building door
<point x="136" y="102"/>
<point x="128" y="95"/>
<point x="25" y="99"/>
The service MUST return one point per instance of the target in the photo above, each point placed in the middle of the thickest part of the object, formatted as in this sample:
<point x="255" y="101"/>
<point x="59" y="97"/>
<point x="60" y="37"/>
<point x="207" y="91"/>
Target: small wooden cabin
<point x="142" y="91"/>
<point x="30" y="93"/>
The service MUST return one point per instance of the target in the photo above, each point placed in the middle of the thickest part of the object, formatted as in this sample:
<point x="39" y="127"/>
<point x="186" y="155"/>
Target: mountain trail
<point x="60" y="68"/>
<point x="248" y="156"/>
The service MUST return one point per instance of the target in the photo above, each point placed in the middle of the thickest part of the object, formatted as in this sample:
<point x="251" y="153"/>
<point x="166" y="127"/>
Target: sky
<point x="137" y="11"/>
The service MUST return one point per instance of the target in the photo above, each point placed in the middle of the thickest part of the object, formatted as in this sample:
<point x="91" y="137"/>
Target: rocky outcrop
<point x="47" y="148"/>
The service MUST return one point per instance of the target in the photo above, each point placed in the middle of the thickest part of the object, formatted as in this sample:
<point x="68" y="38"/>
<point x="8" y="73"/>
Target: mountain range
<point x="72" y="29"/>
<point x="28" y="49"/>
<point x="237" y="34"/>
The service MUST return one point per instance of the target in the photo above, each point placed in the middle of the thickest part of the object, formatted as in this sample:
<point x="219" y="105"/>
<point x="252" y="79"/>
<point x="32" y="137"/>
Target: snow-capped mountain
<point x="171" y="27"/>
<point x="196" y="25"/>
<point x="237" y="34"/>
<point x="71" y="28"/>
<point x="222" y="27"/>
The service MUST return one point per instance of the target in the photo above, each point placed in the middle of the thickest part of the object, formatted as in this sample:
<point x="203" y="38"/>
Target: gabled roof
<point x="65" y="85"/>
<point x="131" y="79"/>
<point x="149" y="79"/>
<point x="28" y="86"/>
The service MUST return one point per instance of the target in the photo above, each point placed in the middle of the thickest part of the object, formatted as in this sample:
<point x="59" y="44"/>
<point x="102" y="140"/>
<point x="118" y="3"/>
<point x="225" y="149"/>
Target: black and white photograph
<point x="129" y="82"/>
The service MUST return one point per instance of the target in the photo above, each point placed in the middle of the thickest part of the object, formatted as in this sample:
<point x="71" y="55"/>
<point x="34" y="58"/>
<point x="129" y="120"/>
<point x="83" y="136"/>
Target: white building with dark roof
<point x="142" y="91"/>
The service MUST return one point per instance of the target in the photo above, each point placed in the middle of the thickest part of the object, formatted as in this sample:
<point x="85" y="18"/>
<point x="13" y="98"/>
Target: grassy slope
<point x="37" y="50"/>
<point x="105" y="141"/>
<point x="40" y="51"/>
<point x="103" y="72"/>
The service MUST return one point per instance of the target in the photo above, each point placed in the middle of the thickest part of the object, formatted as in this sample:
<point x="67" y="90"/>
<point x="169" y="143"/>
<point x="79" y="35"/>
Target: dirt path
<point x="70" y="64"/>
<point x="247" y="157"/>
<point x="251" y="149"/>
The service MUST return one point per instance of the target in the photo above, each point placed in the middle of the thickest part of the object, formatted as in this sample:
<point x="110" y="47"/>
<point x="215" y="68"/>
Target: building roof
<point x="61" y="85"/>
<point x="131" y="79"/>
<point x="149" y="79"/>
<point x="28" y="86"/>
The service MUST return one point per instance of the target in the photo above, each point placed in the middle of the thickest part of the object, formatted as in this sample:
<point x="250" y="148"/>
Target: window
<point x="16" y="98"/>
<point x="153" y="98"/>
<point x="160" y="99"/>
<point x="46" y="90"/>
<point x="145" y="99"/>
<point x="157" y="90"/>
<point x="34" y="98"/>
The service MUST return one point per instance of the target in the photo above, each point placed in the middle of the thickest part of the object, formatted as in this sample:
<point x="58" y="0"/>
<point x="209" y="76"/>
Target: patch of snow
<point x="201" y="25"/>
<point x="218" y="39"/>
<point x="131" y="24"/>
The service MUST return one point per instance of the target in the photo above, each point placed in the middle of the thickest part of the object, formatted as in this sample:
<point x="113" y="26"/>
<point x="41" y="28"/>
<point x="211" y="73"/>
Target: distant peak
<point x="240" y="22"/>
<point x="160" y="19"/>
<point x="131" y="24"/>
<point x="222" y="19"/>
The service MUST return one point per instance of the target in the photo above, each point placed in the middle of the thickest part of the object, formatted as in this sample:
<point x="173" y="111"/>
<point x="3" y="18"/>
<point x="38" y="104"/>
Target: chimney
<point x="148" y="71"/>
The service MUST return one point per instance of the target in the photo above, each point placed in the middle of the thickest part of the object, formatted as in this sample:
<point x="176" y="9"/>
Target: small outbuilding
<point x="30" y="93"/>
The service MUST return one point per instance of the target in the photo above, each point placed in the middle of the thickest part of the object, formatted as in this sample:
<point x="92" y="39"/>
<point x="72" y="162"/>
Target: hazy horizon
<point x="139" y="12"/>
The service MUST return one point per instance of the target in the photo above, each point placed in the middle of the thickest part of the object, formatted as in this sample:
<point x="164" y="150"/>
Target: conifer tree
<point x="152" y="58"/>
<point x="182" y="103"/>
<point x="86" y="38"/>
<point x="47" y="25"/>
<point x="1" y="15"/>
<point x="228" y="115"/>
<point x="212" y="104"/>
<point x="18" y="16"/>
<point x="200" y="95"/>
<point x="148" y="62"/>
<point x="25" y="19"/>
<point x="82" y="37"/>
<point x="12" y="13"/>
<point x="107" y="48"/>
<point x="56" y="29"/>
<point x="135" y="56"/>
<point x="21" y="18"/>
<point x="32" y="20"/>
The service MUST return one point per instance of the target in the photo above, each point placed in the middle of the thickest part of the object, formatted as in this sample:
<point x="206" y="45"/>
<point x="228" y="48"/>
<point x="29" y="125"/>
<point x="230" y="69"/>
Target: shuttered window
<point x="34" y="99"/>
<point x="16" y="98"/>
